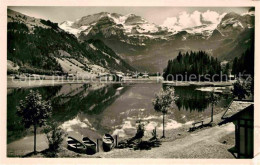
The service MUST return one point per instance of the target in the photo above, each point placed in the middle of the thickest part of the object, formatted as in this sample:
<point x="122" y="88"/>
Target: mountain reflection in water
<point x="95" y="109"/>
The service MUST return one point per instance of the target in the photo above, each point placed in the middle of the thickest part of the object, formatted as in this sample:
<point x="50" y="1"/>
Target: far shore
<point x="16" y="83"/>
<point x="198" y="83"/>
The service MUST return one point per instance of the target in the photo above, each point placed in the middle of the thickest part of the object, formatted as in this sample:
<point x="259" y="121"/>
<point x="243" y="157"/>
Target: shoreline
<point x="198" y="83"/>
<point x="13" y="83"/>
<point x="174" y="137"/>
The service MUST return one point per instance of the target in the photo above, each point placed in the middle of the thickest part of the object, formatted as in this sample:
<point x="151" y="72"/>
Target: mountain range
<point x="114" y="42"/>
<point x="147" y="46"/>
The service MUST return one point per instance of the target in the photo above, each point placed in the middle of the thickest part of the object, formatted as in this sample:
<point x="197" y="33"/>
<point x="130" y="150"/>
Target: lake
<point x="94" y="109"/>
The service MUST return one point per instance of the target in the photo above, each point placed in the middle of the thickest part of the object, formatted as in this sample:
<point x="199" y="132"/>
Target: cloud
<point x="170" y="21"/>
<point x="188" y="20"/>
<point x="212" y="16"/>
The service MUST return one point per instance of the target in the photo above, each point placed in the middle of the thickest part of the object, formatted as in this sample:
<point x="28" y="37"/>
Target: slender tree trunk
<point x="163" y="136"/>
<point x="212" y="112"/>
<point x="34" y="150"/>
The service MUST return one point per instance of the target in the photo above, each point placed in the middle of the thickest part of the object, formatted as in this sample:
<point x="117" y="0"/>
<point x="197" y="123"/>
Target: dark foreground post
<point x="163" y="136"/>
<point x="97" y="146"/>
<point x="34" y="148"/>
<point x="116" y="140"/>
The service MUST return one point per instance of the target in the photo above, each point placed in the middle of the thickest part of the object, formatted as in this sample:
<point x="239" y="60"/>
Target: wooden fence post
<point x="97" y="146"/>
<point x="116" y="141"/>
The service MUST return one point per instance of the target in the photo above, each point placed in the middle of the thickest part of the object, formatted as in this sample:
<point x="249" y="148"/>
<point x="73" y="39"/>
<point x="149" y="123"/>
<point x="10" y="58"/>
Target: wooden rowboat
<point x="90" y="144"/>
<point x="75" y="145"/>
<point x="108" y="142"/>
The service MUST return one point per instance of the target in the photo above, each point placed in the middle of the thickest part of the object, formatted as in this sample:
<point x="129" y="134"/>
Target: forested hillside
<point x="192" y="64"/>
<point x="245" y="63"/>
<point x="40" y="46"/>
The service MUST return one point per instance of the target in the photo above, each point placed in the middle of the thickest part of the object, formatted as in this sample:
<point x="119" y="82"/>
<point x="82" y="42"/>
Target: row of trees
<point x="193" y="63"/>
<point x="243" y="67"/>
<point x="200" y="63"/>
<point x="245" y="63"/>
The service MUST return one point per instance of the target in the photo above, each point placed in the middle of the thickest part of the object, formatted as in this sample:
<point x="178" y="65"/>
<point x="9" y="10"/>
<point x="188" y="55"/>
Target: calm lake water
<point x="94" y="109"/>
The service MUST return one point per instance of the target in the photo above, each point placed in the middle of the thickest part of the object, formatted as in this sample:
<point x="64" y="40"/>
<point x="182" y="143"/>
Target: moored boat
<point x="108" y="142"/>
<point x="90" y="144"/>
<point x="75" y="145"/>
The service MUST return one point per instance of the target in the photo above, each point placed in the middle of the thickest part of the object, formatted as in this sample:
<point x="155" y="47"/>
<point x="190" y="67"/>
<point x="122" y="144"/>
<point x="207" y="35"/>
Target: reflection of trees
<point x="87" y="101"/>
<point x="50" y="92"/>
<point x="191" y="99"/>
<point x="99" y="99"/>
<point x="90" y="102"/>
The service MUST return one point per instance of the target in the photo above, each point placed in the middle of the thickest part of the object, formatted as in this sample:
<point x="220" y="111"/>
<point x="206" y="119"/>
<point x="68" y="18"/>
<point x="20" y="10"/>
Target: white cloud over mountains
<point x="189" y="20"/>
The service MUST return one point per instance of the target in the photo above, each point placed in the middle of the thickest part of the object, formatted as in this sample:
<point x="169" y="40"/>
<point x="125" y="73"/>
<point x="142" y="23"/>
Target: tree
<point x="240" y="89"/>
<point x="34" y="111"/>
<point x="213" y="99"/>
<point x="251" y="86"/>
<point x="226" y="69"/>
<point x="234" y="66"/>
<point x="55" y="136"/>
<point x="245" y="63"/>
<point x="163" y="101"/>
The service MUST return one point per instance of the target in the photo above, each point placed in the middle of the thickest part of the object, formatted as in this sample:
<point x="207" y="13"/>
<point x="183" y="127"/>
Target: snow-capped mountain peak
<point x="129" y="24"/>
<point x="67" y="26"/>
<point x="66" y="23"/>
<point x="119" y="19"/>
<point x="133" y="29"/>
<point x="205" y="29"/>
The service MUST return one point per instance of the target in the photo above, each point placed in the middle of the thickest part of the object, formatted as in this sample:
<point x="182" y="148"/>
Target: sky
<point x="185" y="16"/>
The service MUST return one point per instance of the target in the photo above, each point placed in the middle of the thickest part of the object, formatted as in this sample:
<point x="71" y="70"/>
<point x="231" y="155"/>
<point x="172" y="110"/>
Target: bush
<point x="240" y="89"/>
<point x="154" y="134"/>
<point x="140" y="131"/>
<point x="147" y="145"/>
<point x="137" y="143"/>
<point x="55" y="136"/>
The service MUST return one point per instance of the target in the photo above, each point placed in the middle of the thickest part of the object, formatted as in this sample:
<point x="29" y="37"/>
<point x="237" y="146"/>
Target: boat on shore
<point x="108" y="142"/>
<point x="90" y="144"/>
<point x="75" y="145"/>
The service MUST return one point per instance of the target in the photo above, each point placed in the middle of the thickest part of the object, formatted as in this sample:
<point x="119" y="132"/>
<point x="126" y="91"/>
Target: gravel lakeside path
<point x="203" y="144"/>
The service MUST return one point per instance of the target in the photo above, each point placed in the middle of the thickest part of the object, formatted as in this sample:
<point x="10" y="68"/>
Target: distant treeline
<point x="194" y="66"/>
<point x="245" y="63"/>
